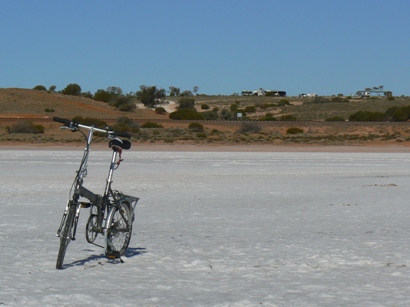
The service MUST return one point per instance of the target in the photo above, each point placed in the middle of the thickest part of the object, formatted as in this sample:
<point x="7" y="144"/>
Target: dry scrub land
<point x="39" y="107"/>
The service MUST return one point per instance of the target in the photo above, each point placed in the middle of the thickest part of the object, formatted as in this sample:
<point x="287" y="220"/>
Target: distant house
<point x="262" y="92"/>
<point x="378" y="93"/>
<point x="275" y="93"/>
<point x="259" y="92"/>
<point x="307" y="95"/>
<point x="246" y="93"/>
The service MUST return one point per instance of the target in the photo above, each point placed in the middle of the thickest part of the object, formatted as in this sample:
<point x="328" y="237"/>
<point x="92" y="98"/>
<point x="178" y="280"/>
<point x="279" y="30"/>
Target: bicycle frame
<point x="105" y="203"/>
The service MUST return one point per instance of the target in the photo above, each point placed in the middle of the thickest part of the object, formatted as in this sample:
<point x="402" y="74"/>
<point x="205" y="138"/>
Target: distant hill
<point x="311" y="127"/>
<point x="18" y="103"/>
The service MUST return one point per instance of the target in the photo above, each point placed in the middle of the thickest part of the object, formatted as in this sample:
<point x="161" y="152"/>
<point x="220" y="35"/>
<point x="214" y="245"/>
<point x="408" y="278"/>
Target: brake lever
<point x="72" y="128"/>
<point x="112" y="136"/>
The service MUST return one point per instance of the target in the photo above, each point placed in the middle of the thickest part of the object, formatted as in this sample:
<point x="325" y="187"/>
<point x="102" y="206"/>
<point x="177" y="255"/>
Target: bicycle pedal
<point x="113" y="255"/>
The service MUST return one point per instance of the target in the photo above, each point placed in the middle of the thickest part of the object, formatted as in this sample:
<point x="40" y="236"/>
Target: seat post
<point x="112" y="168"/>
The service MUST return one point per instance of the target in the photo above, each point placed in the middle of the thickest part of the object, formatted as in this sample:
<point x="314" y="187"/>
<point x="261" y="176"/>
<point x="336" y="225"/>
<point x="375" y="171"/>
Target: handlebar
<point x="66" y="122"/>
<point x="122" y="134"/>
<point x="71" y="124"/>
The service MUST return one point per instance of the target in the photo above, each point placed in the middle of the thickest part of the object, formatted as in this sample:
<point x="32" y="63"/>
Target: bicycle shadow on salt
<point x="89" y="262"/>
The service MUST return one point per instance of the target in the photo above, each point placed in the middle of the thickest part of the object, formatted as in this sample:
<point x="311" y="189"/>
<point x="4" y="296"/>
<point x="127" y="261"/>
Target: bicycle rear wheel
<point x="119" y="230"/>
<point x="66" y="235"/>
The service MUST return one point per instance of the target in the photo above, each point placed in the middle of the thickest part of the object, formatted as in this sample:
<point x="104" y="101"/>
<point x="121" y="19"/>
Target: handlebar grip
<point x="66" y="122"/>
<point x="123" y="134"/>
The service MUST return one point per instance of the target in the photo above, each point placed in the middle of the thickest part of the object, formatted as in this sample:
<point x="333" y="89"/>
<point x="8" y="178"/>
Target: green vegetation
<point x="197" y="127"/>
<point x="210" y="115"/>
<point x="186" y="103"/>
<point x="250" y="109"/>
<point x="186" y="110"/>
<point x="40" y="88"/>
<point x="124" y="103"/>
<point x="288" y="118"/>
<point x="125" y="124"/>
<point x="150" y="96"/>
<point x="322" y="120"/>
<point x="367" y="116"/>
<point x="98" y="123"/>
<point x="201" y="135"/>
<point x="283" y="102"/>
<point x="25" y="127"/>
<point x="160" y="110"/>
<point x="249" y="127"/>
<point x="294" y="130"/>
<point x="150" y="125"/>
<point x="267" y="117"/>
<point x="186" y="114"/>
<point x="102" y="95"/>
<point x="319" y="99"/>
<point x="113" y="96"/>
<point x="395" y="113"/>
<point x="336" y="118"/>
<point x="174" y="91"/>
<point x="72" y="89"/>
<point x="399" y="114"/>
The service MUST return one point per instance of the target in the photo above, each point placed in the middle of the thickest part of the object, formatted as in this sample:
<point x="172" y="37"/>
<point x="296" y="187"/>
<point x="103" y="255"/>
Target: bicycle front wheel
<point x="91" y="229"/>
<point x="66" y="235"/>
<point x="119" y="230"/>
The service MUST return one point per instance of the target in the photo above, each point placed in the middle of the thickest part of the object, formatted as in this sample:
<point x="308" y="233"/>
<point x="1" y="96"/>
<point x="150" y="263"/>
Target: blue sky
<point x="221" y="46"/>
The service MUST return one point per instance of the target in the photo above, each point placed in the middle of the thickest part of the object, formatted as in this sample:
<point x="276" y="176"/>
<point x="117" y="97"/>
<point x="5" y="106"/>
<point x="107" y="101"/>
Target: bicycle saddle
<point x="124" y="144"/>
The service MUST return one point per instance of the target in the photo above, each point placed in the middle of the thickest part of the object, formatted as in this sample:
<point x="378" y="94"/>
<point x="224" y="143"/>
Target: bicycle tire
<point x="91" y="228"/>
<point x="118" y="235"/>
<point x="65" y="236"/>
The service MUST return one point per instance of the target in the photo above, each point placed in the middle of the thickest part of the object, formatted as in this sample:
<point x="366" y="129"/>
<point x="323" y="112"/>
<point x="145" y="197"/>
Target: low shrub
<point x="339" y="99"/>
<point x="288" y="118"/>
<point x="320" y="99"/>
<point x="215" y="132"/>
<point x="283" y="102"/>
<point x="250" y="109"/>
<point x="250" y="127"/>
<point x="123" y="103"/>
<point x="25" y="127"/>
<point x="226" y="114"/>
<point x="186" y="103"/>
<point x="197" y="127"/>
<point x="126" y="106"/>
<point x="294" y="130"/>
<point x="204" y="106"/>
<point x="210" y="115"/>
<point x="233" y="107"/>
<point x="160" y="110"/>
<point x="268" y="117"/>
<point x="398" y="114"/>
<point x="186" y="114"/>
<point x="151" y="125"/>
<point x="367" y="116"/>
<point x="125" y="124"/>
<point x="335" y="119"/>
<point x="40" y="88"/>
<point x="201" y="135"/>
